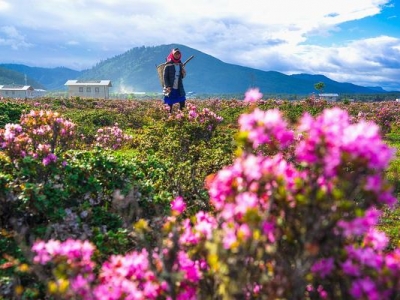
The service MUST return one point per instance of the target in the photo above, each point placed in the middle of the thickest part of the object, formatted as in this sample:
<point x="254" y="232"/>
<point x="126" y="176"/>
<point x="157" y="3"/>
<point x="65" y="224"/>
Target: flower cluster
<point x="111" y="137"/>
<point x="40" y="134"/>
<point x="266" y="127"/>
<point x="192" y="115"/>
<point x="136" y="275"/>
<point x="73" y="265"/>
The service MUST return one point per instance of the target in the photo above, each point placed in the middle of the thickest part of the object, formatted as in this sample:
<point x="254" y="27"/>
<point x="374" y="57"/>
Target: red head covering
<point x="172" y="58"/>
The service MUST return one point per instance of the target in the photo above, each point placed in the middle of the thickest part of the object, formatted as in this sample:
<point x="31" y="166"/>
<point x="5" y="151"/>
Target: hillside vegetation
<point x="11" y="77"/>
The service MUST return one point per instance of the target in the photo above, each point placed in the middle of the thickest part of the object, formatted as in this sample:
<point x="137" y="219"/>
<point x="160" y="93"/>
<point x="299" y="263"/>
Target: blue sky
<point x="355" y="41"/>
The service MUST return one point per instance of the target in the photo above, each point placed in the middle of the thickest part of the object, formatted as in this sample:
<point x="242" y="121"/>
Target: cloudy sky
<point x="355" y="41"/>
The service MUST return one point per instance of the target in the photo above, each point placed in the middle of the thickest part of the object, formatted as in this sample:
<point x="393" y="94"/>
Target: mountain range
<point x="135" y="71"/>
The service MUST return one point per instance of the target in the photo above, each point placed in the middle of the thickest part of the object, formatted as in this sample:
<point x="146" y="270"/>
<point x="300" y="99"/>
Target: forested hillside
<point x="49" y="78"/>
<point x="8" y="77"/>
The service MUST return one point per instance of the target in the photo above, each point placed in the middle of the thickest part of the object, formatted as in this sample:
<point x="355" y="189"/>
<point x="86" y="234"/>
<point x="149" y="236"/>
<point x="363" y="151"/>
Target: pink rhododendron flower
<point x="360" y="225"/>
<point x="364" y="289"/>
<point x="178" y="205"/>
<point x="244" y="202"/>
<point x="51" y="157"/>
<point x="252" y="95"/>
<point x="244" y="232"/>
<point x="205" y="224"/>
<point x="189" y="267"/>
<point x="323" y="267"/>
<point x="230" y="237"/>
<point x="351" y="268"/>
<point x="188" y="237"/>
<point x="363" y="140"/>
<point x="269" y="229"/>
<point x="266" y="127"/>
<point x="365" y="256"/>
<point x="378" y="240"/>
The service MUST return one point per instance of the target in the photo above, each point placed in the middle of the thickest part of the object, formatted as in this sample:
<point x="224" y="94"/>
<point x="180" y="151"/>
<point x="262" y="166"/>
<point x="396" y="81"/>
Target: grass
<point x="390" y="222"/>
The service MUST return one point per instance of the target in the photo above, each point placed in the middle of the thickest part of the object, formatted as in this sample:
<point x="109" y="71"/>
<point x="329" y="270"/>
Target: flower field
<point x="228" y="199"/>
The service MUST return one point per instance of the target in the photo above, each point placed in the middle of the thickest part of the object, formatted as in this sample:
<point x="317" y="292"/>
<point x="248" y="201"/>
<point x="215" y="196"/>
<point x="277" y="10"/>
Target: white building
<point x="329" y="97"/>
<point x="37" y="93"/>
<point x="89" y="89"/>
<point x="16" y="91"/>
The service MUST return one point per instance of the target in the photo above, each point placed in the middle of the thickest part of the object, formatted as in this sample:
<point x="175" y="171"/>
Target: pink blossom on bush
<point x="178" y="206"/>
<point x="205" y="118"/>
<point x="230" y="236"/>
<point x="351" y="268"/>
<point x="269" y="229"/>
<point x="188" y="236"/>
<point x="111" y="137"/>
<point x="266" y="127"/>
<point x="252" y="95"/>
<point x="205" y="224"/>
<point x="330" y="135"/>
<point x="39" y="133"/>
<point x="392" y="261"/>
<point x="360" y="225"/>
<point x="362" y="140"/>
<point x="128" y="276"/>
<point x="49" y="159"/>
<point x="191" y="269"/>
<point x="376" y="239"/>
<point x="365" y="289"/>
<point x="323" y="267"/>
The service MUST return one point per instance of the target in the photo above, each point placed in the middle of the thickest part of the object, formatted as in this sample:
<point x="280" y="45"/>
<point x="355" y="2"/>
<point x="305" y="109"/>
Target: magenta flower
<point x="188" y="237"/>
<point x="266" y="127"/>
<point x="378" y="240"/>
<point x="362" y="140"/>
<point x="205" y="224"/>
<point x="360" y="225"/>
<point x="323" y="267"/>
<point x="245" y="202"/>
<point x="365" y="289"/>
<point x="252" y="95"/>
<point x="351" y="268"/>
<point x="230" y="237"/>
<point x="269" y="229"/>
<point x="178" y="206"/>
<point x="189" y="267"/>
<point x="51" y="157"/>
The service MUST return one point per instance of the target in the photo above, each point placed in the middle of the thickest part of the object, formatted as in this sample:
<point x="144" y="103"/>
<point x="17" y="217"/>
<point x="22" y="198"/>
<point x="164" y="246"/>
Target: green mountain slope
<point x="9" y="77"/>
<point x="50" y="78"/>
<point x="135" y="71"/>
<point x="332" y="86"/>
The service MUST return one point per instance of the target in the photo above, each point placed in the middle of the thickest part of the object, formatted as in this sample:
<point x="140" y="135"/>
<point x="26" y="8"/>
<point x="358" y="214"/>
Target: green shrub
<point x="10" y="112"/>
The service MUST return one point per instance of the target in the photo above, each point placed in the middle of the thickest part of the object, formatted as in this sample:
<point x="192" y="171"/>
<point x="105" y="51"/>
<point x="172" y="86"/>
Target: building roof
<point x="89" y="82"/>
<point x="16" y="88"/>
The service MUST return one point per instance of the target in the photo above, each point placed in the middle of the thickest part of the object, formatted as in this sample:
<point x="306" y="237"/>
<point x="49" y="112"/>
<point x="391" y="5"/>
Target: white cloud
<point x="9" y="36"/>
<point x="72" y="43"/>
<point x="3" y="5"/>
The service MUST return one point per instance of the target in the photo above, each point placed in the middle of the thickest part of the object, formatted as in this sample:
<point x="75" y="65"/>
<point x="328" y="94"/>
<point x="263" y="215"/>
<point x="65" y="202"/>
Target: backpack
<point x="160" y="70"/>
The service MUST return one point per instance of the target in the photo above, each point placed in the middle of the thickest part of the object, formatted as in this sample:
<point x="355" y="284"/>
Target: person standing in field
<point x="174" y="72"/>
